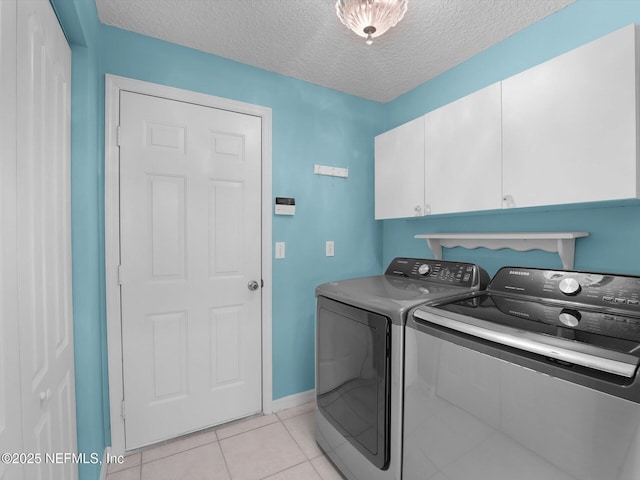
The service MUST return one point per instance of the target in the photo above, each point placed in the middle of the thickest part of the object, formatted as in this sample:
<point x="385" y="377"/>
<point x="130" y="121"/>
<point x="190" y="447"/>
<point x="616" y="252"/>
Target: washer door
<point x="353" y="376"/>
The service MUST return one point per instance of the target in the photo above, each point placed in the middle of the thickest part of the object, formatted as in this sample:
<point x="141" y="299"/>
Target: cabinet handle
<point x="418" y="210"/>
<point x="427" y="209"/>
<point x="508" y="201"/>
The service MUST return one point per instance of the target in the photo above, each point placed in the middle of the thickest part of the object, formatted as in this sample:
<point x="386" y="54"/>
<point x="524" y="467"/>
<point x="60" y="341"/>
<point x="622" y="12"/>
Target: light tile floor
<point x="280" y="446"/>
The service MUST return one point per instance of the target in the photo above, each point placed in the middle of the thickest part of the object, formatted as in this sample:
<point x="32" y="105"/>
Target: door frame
<point x="113" y="86"/>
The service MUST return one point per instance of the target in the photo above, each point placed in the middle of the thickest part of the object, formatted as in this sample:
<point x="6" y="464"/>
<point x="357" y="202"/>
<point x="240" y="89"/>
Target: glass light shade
<point x="370" y="18"/>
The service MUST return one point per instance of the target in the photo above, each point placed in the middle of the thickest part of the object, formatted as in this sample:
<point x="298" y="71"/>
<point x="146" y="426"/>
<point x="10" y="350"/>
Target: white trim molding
<point x="294" y="400"/>
<point x="104" y="466"/>
<point x="113" y="86"/>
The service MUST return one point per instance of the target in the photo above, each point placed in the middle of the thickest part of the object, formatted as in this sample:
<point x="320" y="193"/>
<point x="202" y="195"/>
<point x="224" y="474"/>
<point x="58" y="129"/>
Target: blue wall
<point x="311" y="125"/>
<point x="81" y="27"/>
<point x="612" y="244"/>
<point x="614" y="227"/>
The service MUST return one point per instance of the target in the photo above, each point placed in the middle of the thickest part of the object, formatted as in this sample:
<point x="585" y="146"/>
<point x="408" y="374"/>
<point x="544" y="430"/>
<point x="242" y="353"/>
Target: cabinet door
<point x="399" y="171"/>
<point x="463" y="157"/>
<point x="569" y="126"/>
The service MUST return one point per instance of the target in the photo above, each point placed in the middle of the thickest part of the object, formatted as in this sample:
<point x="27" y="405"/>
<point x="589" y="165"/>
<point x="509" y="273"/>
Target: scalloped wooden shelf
<point x="562" y="243"/>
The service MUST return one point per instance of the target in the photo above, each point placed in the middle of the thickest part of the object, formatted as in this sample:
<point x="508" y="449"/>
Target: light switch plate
<point x="329" y="246"/>
<point x="279" y="249"/>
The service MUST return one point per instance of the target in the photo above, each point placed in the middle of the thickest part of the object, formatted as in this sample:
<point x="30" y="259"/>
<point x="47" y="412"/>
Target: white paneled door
<point x="190" y="210"/>
<point x="10" y="410"/>
<point x="37" y="395"/>
<point x="44" y="238"/>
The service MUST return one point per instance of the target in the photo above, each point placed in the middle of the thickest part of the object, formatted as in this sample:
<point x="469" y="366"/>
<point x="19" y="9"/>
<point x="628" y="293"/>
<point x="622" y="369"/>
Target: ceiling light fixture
<point x="370" y="18"/>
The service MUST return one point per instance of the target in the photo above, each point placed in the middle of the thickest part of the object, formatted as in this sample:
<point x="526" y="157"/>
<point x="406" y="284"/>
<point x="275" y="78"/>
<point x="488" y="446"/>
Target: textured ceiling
<point x="304" y="39"/>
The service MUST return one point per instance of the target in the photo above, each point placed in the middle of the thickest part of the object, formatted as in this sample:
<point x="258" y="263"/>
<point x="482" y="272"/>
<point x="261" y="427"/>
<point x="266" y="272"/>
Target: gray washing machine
<point x="535" y="378"/>
<point x="360" y="326"/>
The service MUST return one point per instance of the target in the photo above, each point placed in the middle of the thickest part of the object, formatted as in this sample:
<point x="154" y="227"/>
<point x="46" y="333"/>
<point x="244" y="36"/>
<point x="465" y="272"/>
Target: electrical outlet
<point x="330" y="248"/>
<point x="279" y="249"/>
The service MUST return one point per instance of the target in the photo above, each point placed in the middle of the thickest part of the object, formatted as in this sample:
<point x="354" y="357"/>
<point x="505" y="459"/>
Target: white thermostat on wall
<point x="285" y="206"/>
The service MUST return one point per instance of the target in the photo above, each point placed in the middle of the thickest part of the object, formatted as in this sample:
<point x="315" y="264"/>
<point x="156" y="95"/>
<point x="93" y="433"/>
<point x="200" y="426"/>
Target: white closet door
<point x="10" y="425"/>
<point x="44" y="238"/>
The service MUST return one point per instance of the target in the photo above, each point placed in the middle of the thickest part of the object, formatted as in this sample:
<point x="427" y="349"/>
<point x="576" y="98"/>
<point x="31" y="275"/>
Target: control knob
<point x="570" y="318"/>
<point x="570" y="286"/>
<point x="424" y="269"/>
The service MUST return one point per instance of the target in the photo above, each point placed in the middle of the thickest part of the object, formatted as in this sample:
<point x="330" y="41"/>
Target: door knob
<point x="253" y="285"/>
<point x="45" y="396"/>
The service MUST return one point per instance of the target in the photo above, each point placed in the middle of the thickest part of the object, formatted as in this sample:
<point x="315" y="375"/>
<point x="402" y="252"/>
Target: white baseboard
<point x="293" y="400"/>
<point x="104" y="466"/>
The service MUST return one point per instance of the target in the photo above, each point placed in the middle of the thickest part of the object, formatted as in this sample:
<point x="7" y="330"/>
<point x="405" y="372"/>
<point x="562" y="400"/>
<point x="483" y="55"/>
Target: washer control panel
<point x="460" y="274"/>
<point x="575" y="317"/>
<point x="598" y="290"/>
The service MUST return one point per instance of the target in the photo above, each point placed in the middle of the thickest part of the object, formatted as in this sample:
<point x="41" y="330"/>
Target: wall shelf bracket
<point x="562" y="243"/>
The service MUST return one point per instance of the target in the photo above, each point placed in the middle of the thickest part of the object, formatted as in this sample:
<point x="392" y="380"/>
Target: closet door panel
<point x="10" y="410"/>
<point x="43" y="237"/>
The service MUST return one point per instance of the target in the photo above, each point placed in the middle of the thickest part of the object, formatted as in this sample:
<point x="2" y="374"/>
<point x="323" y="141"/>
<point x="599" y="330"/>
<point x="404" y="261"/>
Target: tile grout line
<point x="308" y="460"/>
<point x="294" y="439"/>
<point x="296" y="444"/>
<point x="123" y="469"/>
<point x="316" y="470"/>
<point x="177" y="453"/>
<point x="252" y="430"/>
<point x="277" y="419"/>
<point x="288" y="468"/>
<point x="224" y="459"/>
<point x="117" y="472"/>
<point x="219" y="442"/>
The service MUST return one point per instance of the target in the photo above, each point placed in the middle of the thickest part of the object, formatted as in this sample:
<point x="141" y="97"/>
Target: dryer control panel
<point x="459" y="274"/>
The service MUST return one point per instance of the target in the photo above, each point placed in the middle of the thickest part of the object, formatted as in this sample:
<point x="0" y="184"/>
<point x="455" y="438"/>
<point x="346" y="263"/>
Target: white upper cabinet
<point x="564" y="131"/>
<point x="399" y="171"/>
<point x="446" y="161"/>
<point x="463" y="157"/>
<point x="570" y="127"/>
